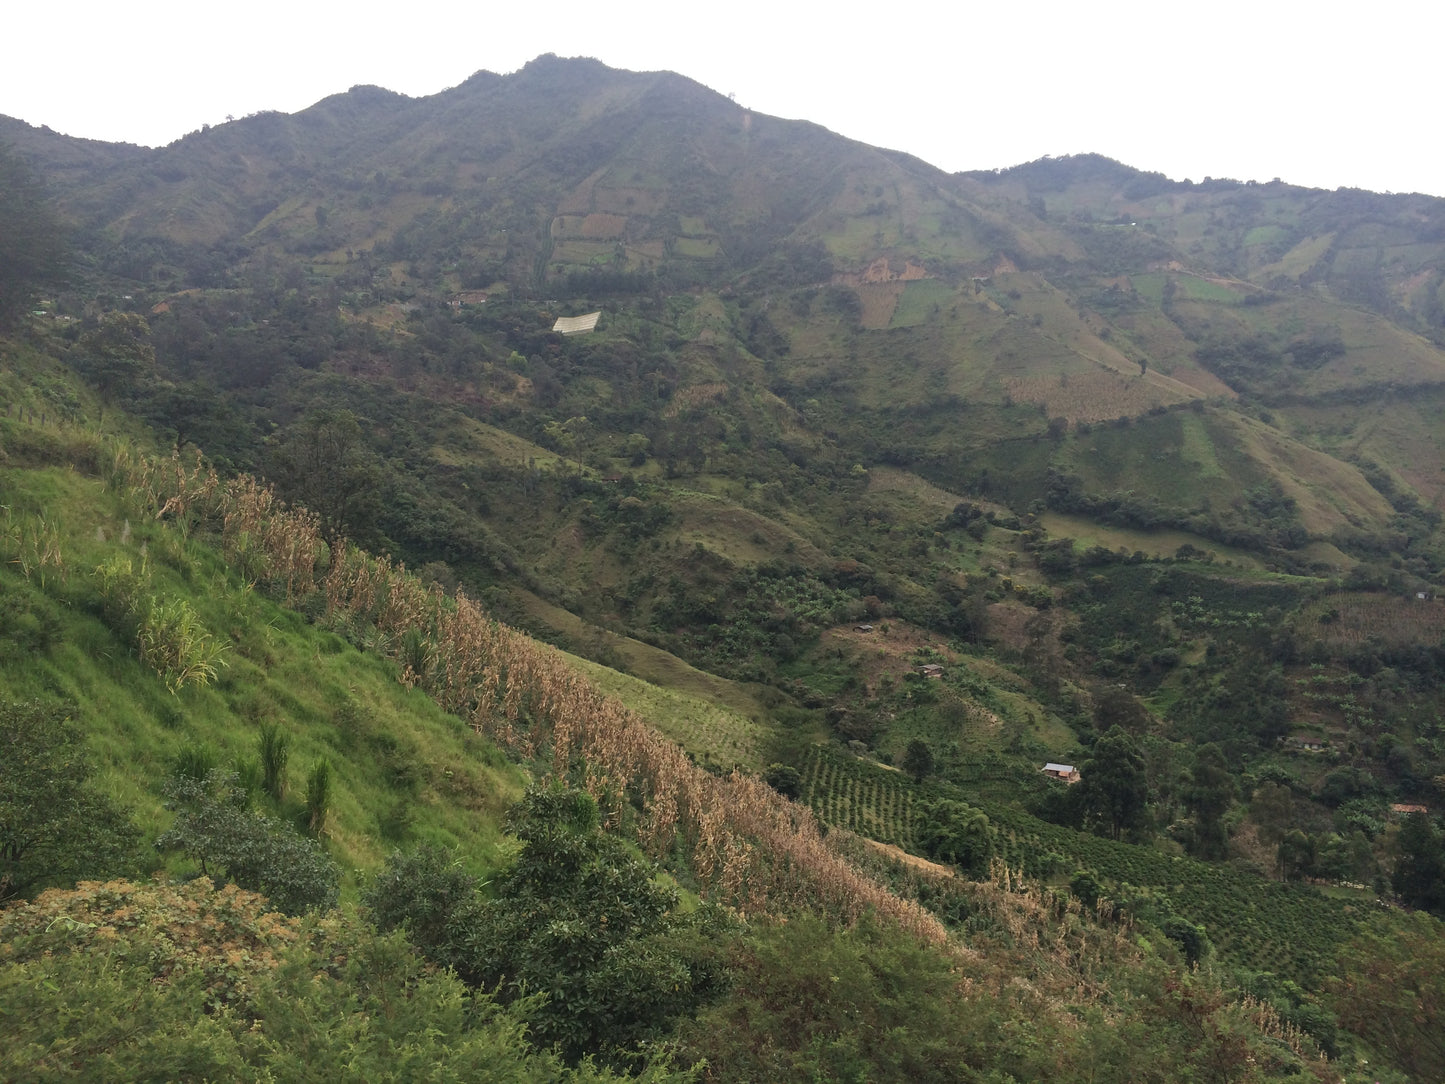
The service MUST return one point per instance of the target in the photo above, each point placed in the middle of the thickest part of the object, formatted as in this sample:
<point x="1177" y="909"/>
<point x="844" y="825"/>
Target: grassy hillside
<point x="404" y="771"/>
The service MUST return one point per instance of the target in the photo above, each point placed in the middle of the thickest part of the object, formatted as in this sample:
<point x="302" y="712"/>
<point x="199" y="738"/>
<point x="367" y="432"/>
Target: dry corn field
<point x="749" y="847"/>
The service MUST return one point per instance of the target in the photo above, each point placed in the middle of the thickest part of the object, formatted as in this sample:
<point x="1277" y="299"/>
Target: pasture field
<point x="660" y="672"/>
<point x="922" y="301"/>
<point x="696" y="248"/>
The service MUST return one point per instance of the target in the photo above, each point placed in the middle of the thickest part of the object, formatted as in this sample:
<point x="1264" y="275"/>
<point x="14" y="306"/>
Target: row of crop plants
<point x="846" y="792"/>
<point x="1253" y="922"/>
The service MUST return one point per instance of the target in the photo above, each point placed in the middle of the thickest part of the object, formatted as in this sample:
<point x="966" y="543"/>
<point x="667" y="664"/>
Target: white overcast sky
<point x="1320" y="94"/>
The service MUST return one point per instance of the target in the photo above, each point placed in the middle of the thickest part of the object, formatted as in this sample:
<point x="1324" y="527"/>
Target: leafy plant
<point x="275" y="746"/>
<point x="120" y="585"/>
<point x="176" y="645"/>
<point x="123" y="981"/>
<point x="214" y="827"/>
<point x="195" y="761"/>
<point x="54" y="824"/>
<point x="577" y="918"/>
<point x="318" y="796"/>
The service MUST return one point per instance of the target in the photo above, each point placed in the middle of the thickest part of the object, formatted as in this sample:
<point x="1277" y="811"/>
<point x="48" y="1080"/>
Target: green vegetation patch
<point x="922" y="301"/>
<point x="400" y="767"/>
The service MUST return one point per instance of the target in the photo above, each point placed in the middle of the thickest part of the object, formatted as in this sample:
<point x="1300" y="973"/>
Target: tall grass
<point x="275" y="748"/>
<point x="175" y="644"/>
<point x="318" y="796"/>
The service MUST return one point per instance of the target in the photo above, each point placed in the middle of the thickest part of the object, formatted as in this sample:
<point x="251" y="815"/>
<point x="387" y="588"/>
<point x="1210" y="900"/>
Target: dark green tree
<point x="156" y="981"/>
<point x="578" y="918"/>
<point x="784" y="779"/>
<point x="1295" y="855"/>
<point x="323" y="463"/>
<point x="1419" y="878"/>
<point x="227" y="839"/>
<point x="1208" y="797"/>
<point x="115" y="354"/>
<point x="1391" y="992"/>
<point x="55" y="826"/>
<point x="1114" y="790"/>
<point x="32" y="240"/>
<point x="958" y="833"/>
<point x="1190" y="938"/>
<point x="430" y="895"/>
<point x="918" y="759"/>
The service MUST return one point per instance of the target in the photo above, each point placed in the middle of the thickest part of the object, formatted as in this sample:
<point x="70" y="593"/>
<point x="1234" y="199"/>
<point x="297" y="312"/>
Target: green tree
<point x="323" y="464"/>
<point x="55" y="826"/>
<point x="215" y="827"/>
<point x="32" y="241"/>
<point x="430" y="895"/>
<point x="1190" y="938"/>
<point x="578" y="919"/>
<point x="1208" y="797"/>
<point x="1419" y="877"/>
<point x="1295" y="855"/>
<point x="1272" y="809"/>
<point x="784" y="779"/>
<point x="1114" y="790"/>
<point x="958" y="833"/>
<point x="1391" y="991"/>
<point x="115" y="353"/>
<point x="918" y="759"/>
<point x="193" y="982"/>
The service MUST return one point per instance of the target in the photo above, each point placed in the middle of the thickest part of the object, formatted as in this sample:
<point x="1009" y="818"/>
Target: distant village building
<point x="576" y="325"/>
<point x="862" y="628"/>
<point x="1067" y="772"/>
<point x="1310" y="743"/>
<point x="468" y="297"/>
<point x="931" y="670"/>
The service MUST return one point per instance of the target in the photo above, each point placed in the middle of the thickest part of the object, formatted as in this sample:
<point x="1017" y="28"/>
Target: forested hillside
<point x="873" y="491"/>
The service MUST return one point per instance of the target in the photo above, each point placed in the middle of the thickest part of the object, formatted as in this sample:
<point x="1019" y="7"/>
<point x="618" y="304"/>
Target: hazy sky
<point x="1317" y="94"/>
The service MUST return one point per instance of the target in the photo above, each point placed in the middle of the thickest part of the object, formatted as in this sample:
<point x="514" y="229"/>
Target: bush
<point x="175" y="644"/>
<point x="784" y="779"/>
<point x="318" y="796"/>
<point x="275" y="746"/>
<point x="200" y="983"/>
<point x="214" y="827"/>
<point x="54" y="826"/>
<point x="577" y="918"/>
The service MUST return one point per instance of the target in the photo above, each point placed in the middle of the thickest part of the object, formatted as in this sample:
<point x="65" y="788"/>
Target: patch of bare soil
<point x="878" y="652"/>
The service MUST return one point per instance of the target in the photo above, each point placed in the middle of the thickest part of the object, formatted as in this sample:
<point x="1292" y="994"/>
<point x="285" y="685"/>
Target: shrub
<point x="784" y="779"/>
<point x="175" y="644"/>
<point x="318" y="796"/>
<point x="275" y="745"/>
<point x="214" y="827"/>
<point x="54" y="826"/>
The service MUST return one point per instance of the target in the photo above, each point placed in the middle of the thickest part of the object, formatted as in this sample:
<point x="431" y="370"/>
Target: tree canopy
<point x="54" y="823"/>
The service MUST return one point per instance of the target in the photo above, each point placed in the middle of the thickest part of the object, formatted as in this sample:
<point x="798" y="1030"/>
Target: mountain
<point x="1149" y="472"/>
